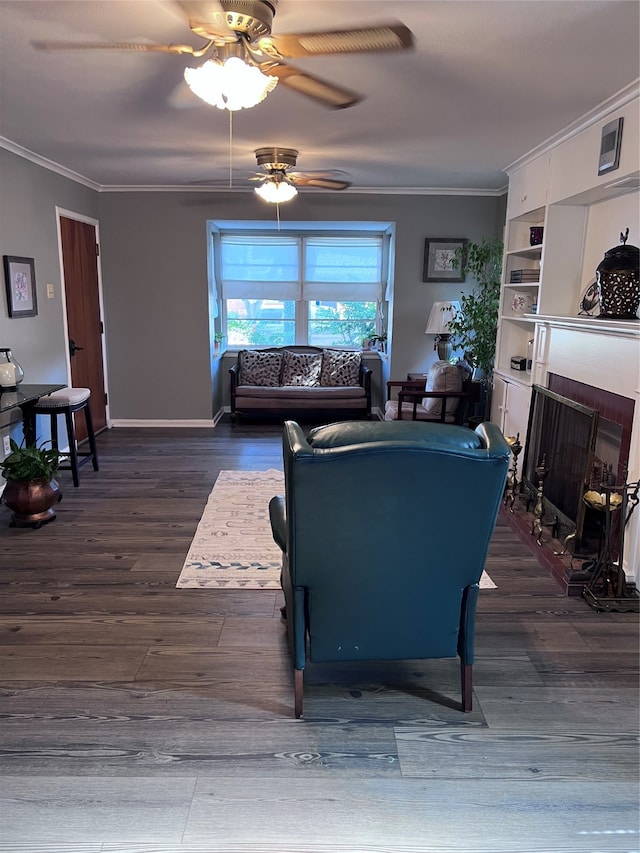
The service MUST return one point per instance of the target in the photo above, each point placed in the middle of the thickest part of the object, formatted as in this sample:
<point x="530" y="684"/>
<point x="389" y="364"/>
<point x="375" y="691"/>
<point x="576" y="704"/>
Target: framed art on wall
<point x="440" y="259"/>
<point x="20" y="282"/>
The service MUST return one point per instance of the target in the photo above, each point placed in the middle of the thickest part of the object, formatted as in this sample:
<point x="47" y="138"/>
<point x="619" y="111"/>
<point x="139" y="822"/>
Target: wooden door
<point x="82" y="294"/>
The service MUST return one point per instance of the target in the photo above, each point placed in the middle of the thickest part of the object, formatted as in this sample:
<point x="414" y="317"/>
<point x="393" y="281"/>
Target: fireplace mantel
<point x="618" y="328"/>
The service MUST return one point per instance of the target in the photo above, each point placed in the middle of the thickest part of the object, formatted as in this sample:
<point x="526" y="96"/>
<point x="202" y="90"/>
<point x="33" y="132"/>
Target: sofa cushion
<point x="300" y="398"/>
<point x="340" y="367"/>
<point x="301" y="368"/>
<point x="442" y="376"/>
<point x="260" y="368"/>
<point x="303" y="392"/>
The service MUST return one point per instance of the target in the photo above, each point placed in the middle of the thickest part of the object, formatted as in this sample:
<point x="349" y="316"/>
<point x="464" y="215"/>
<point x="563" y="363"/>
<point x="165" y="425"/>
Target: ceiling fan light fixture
<point x="230" y="85"/>
<point x="276" y="192"/>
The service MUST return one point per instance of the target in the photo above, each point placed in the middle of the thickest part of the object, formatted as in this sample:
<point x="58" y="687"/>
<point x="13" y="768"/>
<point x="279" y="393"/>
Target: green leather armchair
<point x="384" y="529"/>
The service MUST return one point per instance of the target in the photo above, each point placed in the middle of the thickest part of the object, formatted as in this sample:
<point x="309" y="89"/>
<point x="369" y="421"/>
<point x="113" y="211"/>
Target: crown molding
<point x="614" y="102"/>
<point x="26" y="154"/>
<point x="463" y="191"/>
<point x="171" y="188"/>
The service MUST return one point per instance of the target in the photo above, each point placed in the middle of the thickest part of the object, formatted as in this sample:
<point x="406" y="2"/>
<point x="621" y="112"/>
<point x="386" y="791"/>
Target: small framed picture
<point x="441" y="259"/>
<point x="20" y="282"/>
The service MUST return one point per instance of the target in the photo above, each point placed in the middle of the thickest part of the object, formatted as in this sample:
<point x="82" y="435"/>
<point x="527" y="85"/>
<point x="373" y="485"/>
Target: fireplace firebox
<point x="561" y="435"/>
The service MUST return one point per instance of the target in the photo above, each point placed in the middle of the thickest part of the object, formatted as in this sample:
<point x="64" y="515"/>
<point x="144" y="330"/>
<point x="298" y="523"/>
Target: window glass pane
<point x="259" y="258"/>
<point x="341" y="324"/>
<point x="347" y="259"/>
<point x="260" y="322"/>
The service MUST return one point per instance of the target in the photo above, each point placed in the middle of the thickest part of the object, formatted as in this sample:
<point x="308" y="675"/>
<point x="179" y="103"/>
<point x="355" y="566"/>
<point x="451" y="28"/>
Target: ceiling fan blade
<point x="222" y="183"/>
<point x="208" y="19"/>
<point x="377" y="39"/>
<point x="114" y="45"/>
<point x="322" y="183"/>
<point x="338" y="174"/>
<point x="328" y="94"/>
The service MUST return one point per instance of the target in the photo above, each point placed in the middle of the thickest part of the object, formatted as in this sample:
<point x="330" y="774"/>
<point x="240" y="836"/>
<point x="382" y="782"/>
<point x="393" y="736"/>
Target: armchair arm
<point x="405" y="384"/>
<point x="365" y="381"/>
<point x="416" y="396"/>
<point x="234" y="376"/>
<point x="278" y="519"/>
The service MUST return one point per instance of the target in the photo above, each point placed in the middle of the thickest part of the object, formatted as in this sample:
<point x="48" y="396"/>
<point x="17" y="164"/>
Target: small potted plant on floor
<point x="31" y="489"/>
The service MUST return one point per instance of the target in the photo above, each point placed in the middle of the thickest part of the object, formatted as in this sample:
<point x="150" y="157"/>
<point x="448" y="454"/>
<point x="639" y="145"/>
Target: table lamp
<point x="442" y="313"/>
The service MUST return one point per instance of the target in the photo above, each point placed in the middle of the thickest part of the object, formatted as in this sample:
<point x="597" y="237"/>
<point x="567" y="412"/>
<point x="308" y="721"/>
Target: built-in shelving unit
<point x="581" y="214"/>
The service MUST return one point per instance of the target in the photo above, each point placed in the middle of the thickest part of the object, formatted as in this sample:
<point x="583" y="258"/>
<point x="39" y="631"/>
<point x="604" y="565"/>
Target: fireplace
<point x="561" y="438"/>
<point x="581" y="435"/>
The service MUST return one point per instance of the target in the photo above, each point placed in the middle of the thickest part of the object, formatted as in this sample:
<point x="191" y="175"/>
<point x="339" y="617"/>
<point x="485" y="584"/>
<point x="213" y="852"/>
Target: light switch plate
<point x="50" y="291"/>
<point x="6" y="445"/>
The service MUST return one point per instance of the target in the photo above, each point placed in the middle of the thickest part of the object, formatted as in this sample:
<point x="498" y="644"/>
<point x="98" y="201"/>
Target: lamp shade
<point x="231" y="85"/>
<point x="442" y="313"/>
<point x="276" y="192"/>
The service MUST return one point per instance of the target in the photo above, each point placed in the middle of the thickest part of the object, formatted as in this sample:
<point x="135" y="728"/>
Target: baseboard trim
<point x="133" y="422"/>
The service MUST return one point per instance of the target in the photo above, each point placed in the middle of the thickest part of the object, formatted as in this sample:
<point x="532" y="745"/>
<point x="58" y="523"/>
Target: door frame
<point x="89" y="220"/>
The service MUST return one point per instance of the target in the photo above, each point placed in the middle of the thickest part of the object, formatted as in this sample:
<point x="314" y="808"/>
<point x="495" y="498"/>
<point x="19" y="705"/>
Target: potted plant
<point x="380" y="341"/>
<point x="31" y="489"/>
<point x="475" y="327"/>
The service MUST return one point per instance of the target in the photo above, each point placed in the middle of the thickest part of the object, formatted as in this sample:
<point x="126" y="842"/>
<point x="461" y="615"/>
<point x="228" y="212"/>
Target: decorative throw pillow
<point x="442" y="376"/>
<point x="301" y="368"/>
<point x="260" y="368"/>
<point x="340" y="367"/>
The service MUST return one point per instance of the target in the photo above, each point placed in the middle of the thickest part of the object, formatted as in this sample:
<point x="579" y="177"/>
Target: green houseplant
<point x="475" y="327"/>
<point x="31" y="489"/>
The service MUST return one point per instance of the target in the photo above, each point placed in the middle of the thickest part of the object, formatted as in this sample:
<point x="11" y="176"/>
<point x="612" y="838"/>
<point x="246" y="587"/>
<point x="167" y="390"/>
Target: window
<point x="317" y="288"/>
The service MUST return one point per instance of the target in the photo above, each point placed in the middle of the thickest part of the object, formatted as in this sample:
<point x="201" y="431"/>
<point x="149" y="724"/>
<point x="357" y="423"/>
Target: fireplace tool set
<point x="607" y="588"/>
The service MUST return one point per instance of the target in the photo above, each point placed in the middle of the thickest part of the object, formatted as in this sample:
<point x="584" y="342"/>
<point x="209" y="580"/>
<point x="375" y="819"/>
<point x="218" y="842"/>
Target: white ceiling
<point x="487" y="81"/>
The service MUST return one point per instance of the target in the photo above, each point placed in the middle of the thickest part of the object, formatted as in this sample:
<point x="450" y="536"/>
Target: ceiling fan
<point x="241" y="29"/>
<point x="278" y="184"/>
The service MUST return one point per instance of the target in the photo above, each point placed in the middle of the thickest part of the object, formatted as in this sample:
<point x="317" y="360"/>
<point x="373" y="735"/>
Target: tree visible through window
<point x="317" y="289"/>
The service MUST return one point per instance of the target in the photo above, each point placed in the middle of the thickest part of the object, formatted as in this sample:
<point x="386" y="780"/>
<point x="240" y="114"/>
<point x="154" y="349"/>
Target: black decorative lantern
<point x="618" y="281"/>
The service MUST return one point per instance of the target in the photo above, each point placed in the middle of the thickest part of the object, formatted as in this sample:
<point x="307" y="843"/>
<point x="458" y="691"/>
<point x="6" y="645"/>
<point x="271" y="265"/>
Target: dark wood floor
<point x="138" y="717"/>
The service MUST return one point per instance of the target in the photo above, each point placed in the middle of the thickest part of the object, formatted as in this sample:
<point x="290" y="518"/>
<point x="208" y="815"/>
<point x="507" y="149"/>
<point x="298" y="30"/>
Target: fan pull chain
<point x="278" y="214"/>
<point x="230" y="148"/>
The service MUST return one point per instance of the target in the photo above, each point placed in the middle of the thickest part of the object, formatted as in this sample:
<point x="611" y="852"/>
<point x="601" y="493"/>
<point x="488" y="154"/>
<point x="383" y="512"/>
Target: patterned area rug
<point x="233" y="547"/>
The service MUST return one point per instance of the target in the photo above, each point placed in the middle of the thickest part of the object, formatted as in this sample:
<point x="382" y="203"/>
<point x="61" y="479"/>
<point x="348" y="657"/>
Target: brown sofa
<point x="300" y="381"/>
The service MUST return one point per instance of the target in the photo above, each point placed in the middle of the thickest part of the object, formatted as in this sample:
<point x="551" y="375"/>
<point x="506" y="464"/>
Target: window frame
<point x="300" y="232"/>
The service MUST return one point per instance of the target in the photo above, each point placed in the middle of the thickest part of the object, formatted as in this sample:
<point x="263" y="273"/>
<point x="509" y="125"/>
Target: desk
<point x="25" y="399"/>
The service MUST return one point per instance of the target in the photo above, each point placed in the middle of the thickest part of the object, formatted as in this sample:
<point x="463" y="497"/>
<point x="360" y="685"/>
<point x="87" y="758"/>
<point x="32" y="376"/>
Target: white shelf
<point x="526" y="319"/>
<point x="527" y="251"/>
<point x="520" y="377"/>
<point x="513" y="285"/>
<point x="517" y="285"/>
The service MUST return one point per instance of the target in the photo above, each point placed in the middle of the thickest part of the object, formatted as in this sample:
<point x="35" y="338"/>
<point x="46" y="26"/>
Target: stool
<point x="66" y="402"/>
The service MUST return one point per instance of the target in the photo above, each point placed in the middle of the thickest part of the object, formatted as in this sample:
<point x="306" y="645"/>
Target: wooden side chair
<point x="446" y="396"/>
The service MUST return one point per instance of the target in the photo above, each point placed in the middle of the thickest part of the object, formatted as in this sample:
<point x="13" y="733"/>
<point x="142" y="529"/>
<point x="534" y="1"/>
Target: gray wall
<point x="154" y="275"/>
<point x="28" y="228"/>
<point x="154" y="253"/>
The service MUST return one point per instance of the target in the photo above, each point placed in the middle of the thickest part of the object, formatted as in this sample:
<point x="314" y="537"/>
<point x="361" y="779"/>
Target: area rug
<point x="233" y="547"/>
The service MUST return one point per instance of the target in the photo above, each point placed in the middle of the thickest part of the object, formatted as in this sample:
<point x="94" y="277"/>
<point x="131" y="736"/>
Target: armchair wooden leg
<point x="298" y="686"/>
<point x="466" y="684"/>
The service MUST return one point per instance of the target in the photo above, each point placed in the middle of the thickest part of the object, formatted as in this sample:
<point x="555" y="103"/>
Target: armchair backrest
<point x="388" y="525"/>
